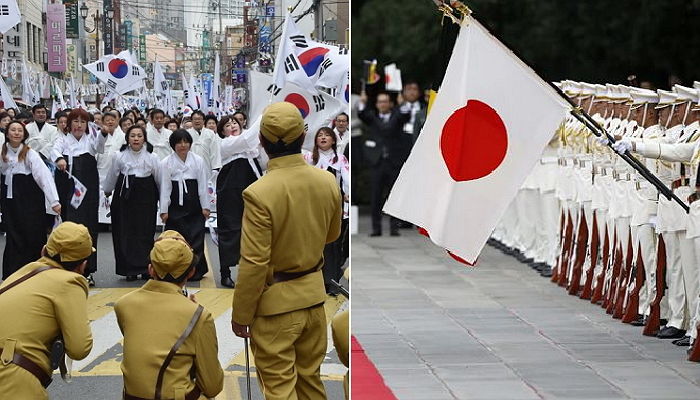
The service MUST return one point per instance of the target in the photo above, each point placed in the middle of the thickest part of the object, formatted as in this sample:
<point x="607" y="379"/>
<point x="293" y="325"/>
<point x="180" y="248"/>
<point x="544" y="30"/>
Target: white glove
<point x="622" y="146"/>
<point x="602" y="140"/>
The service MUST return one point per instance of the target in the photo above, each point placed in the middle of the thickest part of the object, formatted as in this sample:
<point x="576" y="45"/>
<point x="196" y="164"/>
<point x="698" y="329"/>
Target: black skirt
<point x="85" y="170"/>
<point x="335" y="253"/>
<point x="187" y="219"/>
<point x="133" y="213"/>
<point x="232" y="180"/>
<point x="25" y="222"/>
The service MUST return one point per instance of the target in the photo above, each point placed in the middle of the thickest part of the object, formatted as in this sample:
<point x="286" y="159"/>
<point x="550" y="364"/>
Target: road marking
<point x="107" y="351"/>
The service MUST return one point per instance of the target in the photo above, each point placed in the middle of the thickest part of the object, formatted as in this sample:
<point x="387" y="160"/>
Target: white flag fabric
<point x="59" y="97"/>
<point x="392" y="78"/>
<point x="261" y="92"/>
<point x="72" y="92"/>
<point x="304" y="62"/>
<point x="29" y="95"/>
<point x="118" y="72"/>
<point x="490" y="122"/>
<point x="9" y="15"/>
<point x="6" y="96"/>
<point x="318" y="110"/>
<point x="78" y="193"/>
<point x="159" y="82"/>
<point x="190" y="93"/>
<point x="215" y="93"/>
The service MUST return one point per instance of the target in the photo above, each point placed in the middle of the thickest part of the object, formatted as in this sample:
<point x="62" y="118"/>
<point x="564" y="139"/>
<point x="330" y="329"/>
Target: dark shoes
<point x="226" y="281"/>
<point x="670" y="332"/>
<point x="91" y="280"/>
<point x="145" y="277"/>
<point x="131" y="278"/>
<point x="685" y="341"/>
<point x="375" y="234"/>
<point x="640" y="321"/>
<point x="395" y="233"/>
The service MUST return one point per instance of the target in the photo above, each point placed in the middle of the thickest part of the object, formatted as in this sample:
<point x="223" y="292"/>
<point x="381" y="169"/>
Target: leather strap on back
<point x="24" y="278"/>
<point x="180" y="341"/>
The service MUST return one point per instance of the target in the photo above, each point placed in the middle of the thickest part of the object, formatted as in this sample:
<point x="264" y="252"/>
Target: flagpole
<point x="578" y="113"/>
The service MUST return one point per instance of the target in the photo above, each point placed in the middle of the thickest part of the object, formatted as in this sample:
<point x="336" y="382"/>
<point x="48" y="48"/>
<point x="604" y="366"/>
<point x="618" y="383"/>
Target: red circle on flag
<point x="300" y="102"/>
<point x="474" y="141"/>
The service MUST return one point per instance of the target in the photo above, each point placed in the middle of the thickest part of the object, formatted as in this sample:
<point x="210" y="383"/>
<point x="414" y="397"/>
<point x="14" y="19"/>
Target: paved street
<point x="99" y="377"/>
<point x="437" y="329"/>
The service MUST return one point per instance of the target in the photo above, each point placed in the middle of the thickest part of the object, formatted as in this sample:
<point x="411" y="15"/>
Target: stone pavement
<point x="437" y="329"/>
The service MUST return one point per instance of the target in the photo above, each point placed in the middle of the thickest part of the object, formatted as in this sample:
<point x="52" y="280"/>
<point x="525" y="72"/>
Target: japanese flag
<point x="490" y="122"/>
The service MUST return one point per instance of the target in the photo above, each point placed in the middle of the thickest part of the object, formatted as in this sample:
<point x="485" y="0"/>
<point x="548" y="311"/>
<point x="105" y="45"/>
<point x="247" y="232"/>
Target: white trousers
<point x="644" y="240"/>
<point x="675" y="289"/>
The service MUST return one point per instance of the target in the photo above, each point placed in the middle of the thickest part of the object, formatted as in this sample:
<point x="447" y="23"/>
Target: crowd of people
<point x="150" y="167"/>
<point x="291" y="215"/>
<point x="391" y="126"/>
<point x="597" y="226"/>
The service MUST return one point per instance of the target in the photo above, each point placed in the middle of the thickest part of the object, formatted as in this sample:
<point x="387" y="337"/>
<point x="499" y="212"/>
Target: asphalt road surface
<point x="99" y="376"/>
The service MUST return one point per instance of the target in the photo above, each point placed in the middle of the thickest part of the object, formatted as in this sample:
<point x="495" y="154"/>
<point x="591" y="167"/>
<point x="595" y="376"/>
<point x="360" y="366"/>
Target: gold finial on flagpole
<point x="446" y="11"/>
<point x="462" y="8"/>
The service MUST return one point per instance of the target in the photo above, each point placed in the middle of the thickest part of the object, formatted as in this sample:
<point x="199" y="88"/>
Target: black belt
<point x="29" y="365"/>
<point x="278" y="277"/>
<point x="193" y="395"/>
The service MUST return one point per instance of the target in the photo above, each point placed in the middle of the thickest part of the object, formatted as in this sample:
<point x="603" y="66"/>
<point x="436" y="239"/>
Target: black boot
<point x="226" y="280"/>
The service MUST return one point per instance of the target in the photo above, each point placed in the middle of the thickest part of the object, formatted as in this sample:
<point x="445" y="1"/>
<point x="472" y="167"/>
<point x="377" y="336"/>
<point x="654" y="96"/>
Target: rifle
<point x="562" y="236"/>
<point x="616" y="263"/>
<point x="600" y="279"/>
<point x="581" y="250"/>
<point x="694" y="354"/>
<point x="654" y="321"/>
<point x="340" y="288"/>
<point x="568" y="244"/>
<point x="587" y="291"/>
<point x="632" y="308"/>
<point x="625" y="277"/>
<point x="599" y="131"/>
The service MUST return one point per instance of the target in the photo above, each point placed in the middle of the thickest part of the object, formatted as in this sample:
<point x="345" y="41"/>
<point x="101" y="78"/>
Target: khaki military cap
<point x="282" y="121"/>
<point x="171" y="254"/>
<point x="70" y="241"/>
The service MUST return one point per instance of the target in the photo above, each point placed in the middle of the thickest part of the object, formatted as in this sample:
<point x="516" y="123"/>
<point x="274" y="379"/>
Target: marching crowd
<point x="153" y="169"/>
<point x="593" y="223"/>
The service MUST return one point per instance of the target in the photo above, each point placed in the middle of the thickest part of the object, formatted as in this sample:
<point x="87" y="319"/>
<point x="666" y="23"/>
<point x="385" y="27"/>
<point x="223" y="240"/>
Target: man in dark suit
<point x="385" y="152"/>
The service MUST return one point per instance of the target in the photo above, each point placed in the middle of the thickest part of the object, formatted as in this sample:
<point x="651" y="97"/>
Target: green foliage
<point x="596" y="41"/>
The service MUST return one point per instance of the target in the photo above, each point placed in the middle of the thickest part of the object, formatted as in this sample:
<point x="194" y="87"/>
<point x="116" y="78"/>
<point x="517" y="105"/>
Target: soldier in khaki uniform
<point x="340" y="328"/>
<point x="289" y="215"/>
<point x="167" y="335"/>
<point x="36" y="310"/>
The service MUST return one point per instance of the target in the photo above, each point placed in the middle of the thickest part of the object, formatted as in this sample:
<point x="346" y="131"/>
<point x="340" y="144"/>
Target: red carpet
<point x="366" y="382"/>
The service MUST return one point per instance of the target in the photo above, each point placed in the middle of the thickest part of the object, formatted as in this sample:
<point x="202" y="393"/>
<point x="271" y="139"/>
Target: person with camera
<point x="43" y="301"/>
<point x="170" y="346"/>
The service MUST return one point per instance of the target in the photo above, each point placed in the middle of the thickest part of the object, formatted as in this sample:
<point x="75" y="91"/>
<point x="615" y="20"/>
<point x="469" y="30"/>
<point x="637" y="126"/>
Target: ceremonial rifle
<point x="632" y="307"/>
<point x="587" y="291"/>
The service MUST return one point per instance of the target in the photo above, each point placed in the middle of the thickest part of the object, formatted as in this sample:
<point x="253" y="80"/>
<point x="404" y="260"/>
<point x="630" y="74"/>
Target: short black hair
<point x="279" y="148"/>
<point x="346" y="116"/>
<point x="156" y="111"/>
<point x="197" y="112"/>
<point x="109" y="114"/>
<point x="67" y="265"/>
<point x="23" y="115"/>
<point x="61" y="114"/>
<point x="208" y="117"/>
<point x="179" y="136"/>
<point x="124" y="119"/>
<point x="38" y="106"/>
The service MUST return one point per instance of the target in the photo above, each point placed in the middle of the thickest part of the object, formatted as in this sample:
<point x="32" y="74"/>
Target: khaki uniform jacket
<point x="38" y="310"/>
<point x="288" y="217"/>
<point x="151" y="319"/>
